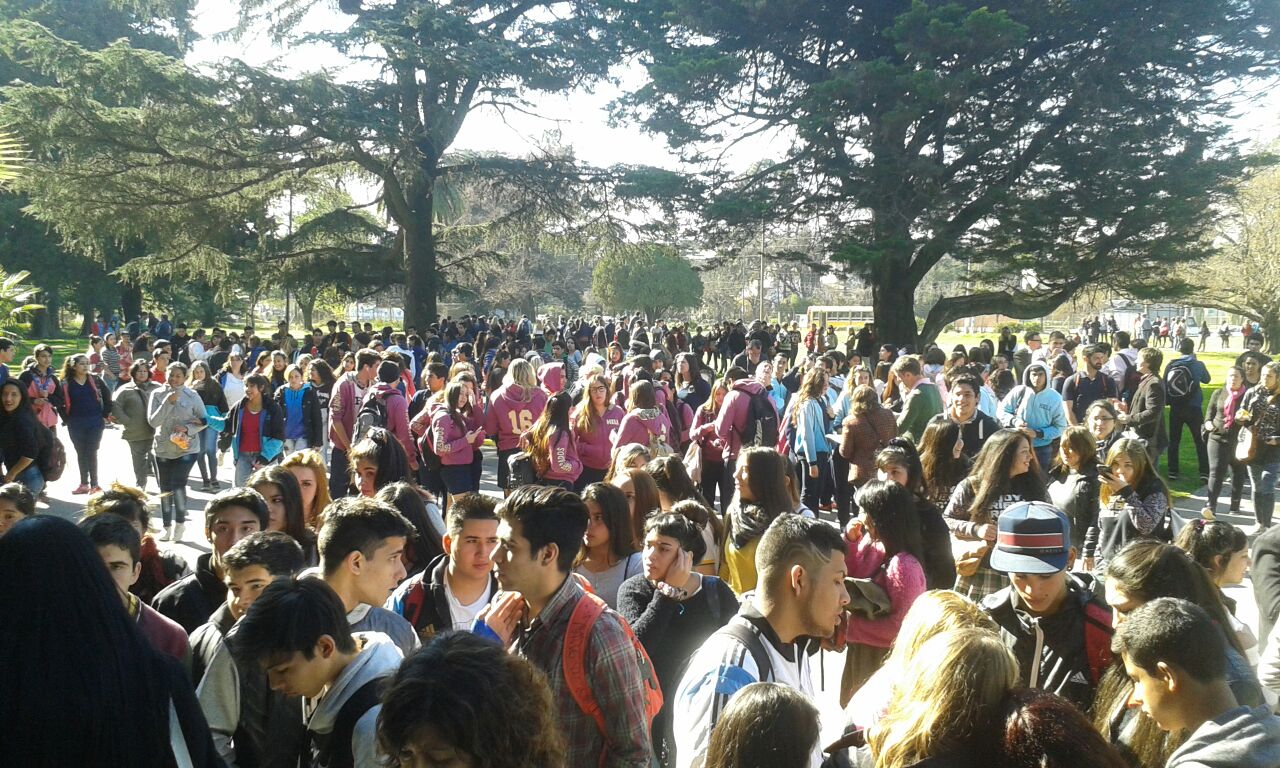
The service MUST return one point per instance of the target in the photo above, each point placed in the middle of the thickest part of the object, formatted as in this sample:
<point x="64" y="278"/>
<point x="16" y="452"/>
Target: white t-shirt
<point x="465" y="615"/>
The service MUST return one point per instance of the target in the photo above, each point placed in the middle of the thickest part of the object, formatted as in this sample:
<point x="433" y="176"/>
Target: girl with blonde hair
<point x="308" y="466"/>
<point x="950" y="693"/>
<point x="1134" y="500"/>
<point x="933" y="613"/>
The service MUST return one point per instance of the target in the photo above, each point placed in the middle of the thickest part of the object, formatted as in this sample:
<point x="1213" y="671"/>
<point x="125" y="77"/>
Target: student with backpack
<point x="603" y="687"/>
<point x="385" y="407"/>
<point x="298" y="629"/>
<point x="673" y="610"/>
<point x="645" y="423"/>
<point x="746" y="418"/>
<point x="1182" y="379"/>
<point x="801" y="596"/>
<point x="810" y="416"/>
<point x="85" y="404"/>
<point x="1048" y="616"/>
<point x="344" y="405"/>
<point x="1087" y="386"/>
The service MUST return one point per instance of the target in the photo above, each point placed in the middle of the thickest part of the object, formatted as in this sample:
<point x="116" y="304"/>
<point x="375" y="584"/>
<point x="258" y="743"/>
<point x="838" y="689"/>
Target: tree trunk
<point x="86" y="317"/>
<point x="44" y="322"/>
<point x="893" y="303"/>
<point x="422" y="282"/>
<point x="131" y="301"/>
<point x="1271" y="329"/>
<point x="307" y="306"/>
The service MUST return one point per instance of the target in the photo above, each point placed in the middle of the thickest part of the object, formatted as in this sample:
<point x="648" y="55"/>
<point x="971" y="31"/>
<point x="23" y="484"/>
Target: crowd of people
<point x="690" y="524"/>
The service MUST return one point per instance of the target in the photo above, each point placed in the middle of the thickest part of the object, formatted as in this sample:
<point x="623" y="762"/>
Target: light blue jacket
<point x="1042" y="411"/>
<point x="811" y="430"/>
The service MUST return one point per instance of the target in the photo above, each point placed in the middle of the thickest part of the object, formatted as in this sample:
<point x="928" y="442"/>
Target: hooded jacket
<point x="397" y="415"/>
<point x="594" y="449"/>
<point x="422" y="600"/>
<point x="1238" y="738"/>
<point x="312" y="418"/>
<point x="973" y="432"/>
<point x="449" y="441"/>
<point x="270" y="426"/>
<point x="552" y="377"/>
<point x="1051" y="650"/>
<point x="378" y="658"/>
<point x="732" y="419"/>
<point x="1040" y="411"/>
<point x="512" y="411"/>
<point x="641" y="426"/>
<point x="130" y="410"/>
<point x="563" y="462"/>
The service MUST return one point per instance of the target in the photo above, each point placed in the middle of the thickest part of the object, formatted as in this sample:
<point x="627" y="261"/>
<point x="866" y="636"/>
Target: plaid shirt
<point x="615" y="681"/>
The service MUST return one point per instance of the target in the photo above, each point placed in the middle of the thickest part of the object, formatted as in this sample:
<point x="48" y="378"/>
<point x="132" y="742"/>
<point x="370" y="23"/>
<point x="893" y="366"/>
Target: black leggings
<point x="86" y="436"/>
<point x="717" y="477"/>
<point x="1222" y="454"/>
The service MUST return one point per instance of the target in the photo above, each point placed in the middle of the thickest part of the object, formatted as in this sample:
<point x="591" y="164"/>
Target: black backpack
<point x="372" y="415"/>
<point x="1179" y="381"/>
<point x="762" y="423"/>
<point x="1131" y="378"/>
<point x="51" y="457"/>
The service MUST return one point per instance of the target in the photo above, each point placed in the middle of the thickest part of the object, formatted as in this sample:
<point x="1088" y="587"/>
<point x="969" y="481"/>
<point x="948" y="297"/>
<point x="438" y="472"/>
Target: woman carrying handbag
<point x="1259" y="442"/>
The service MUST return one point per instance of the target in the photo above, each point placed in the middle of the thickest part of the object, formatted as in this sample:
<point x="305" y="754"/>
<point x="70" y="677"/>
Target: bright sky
<point x="581" y="117"/>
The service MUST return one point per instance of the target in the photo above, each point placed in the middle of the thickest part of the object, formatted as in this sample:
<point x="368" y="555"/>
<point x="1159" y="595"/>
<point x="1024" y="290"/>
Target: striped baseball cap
<point x="1032" y="537"/>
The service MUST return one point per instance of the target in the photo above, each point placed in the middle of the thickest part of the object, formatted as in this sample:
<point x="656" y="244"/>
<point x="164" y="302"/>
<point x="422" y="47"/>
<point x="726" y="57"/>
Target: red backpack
<point x="1097" y="639"/>
<point x="574" y="656"/>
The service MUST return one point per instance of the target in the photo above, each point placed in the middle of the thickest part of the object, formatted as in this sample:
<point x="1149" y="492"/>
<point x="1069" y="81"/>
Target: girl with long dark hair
<point x="455" y="434"/>
<point x="887" y="548"/>
<point x="278" y="486"/>
<point x="215" y="405"/>
<point x="85" y="404"/>
<point x="81" y="684"/>
<point x="378" y="460"/>
<point x="19" y="438"/>
<point x="763" y="494"/>
<point x="553" y="444"/>
<point x="608" y="556"/>
<point x="1004" y="473"/>
<point x="42" y="385"/>
<point x="943" y="460"/>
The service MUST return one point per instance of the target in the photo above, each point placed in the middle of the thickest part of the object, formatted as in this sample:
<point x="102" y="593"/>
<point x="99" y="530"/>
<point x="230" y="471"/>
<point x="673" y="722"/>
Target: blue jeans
<point x="1044" y="455"/>
<point x="207" y="458"/>
<point x="32" y="479"/>
<point x="244" y="467"/>
<point x="1263" y="476"/>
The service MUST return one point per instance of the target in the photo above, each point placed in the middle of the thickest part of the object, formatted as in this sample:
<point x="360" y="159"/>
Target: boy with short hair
<point x="120" y="546"/>
<point x="297" y="630"/>
<point x="251" y="725"/>
<point x="1176" y="658"/>
<point x="229" y="517"/>
<point x="457" y="585"/>
<point x="361" y="557"/>
<point x="1048" y="616"/>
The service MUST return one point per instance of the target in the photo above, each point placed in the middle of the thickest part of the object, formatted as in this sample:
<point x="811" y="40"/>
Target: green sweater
<point x="920" y="404"/>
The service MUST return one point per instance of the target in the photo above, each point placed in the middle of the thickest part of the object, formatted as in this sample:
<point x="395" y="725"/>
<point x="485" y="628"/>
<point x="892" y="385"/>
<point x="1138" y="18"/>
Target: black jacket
<point x="1076" y="494"/>
<point x="1217" y="402"/>
<point x="60" y="398"/>
<point x="422" y="601"/>
<point x="312" y="417"/>
<point x="191" y="600"/>
<point x="1063" y="667"/>
<point x="975" y="432"/>
<point x="273" y="427"/>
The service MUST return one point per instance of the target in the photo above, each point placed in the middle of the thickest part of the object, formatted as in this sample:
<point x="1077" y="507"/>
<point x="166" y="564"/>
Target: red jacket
<point x="449" y="441"/>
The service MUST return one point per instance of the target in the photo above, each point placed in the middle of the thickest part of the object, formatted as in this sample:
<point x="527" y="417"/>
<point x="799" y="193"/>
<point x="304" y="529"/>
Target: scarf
<point x="1232" y="405"/>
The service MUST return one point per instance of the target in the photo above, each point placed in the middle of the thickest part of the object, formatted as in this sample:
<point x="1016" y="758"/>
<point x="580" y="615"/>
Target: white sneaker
<point x="178" y="531"/>
<point x="168" y="533"/>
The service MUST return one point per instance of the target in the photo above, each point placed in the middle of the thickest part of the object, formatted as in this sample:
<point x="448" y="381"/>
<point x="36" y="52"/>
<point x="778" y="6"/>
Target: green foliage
<point x="16" y="303"/>
<point x="1045" y="145"/>
<point x="648" y="278"/>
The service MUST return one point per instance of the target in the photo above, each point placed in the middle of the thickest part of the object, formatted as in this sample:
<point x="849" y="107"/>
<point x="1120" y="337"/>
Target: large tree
<point x="184" y="151"/>
<point x="1046" y="145"/>
<point x="1243" y="276"/>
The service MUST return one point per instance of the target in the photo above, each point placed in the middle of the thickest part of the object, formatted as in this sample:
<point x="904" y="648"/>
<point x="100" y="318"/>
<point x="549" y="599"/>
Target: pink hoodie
<point x="512" y="412"/>
<point x="732" y="418"/>
<point x="712" y="448"/>
<point x="595" y="449"/>
<point x="551" y="377"/>
<point x="397" y="415"/>
<point x="641" y="425"/>
<point x="564" y="462"/>
<point x="449" y="442"/>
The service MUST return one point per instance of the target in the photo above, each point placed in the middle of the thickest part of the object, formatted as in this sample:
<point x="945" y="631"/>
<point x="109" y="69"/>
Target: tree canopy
<point x="648" y="278"/>
<point x="1046" y="145"/>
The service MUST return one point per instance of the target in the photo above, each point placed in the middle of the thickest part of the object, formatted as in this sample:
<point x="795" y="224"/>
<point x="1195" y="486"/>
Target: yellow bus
<point x="839" y="318"/>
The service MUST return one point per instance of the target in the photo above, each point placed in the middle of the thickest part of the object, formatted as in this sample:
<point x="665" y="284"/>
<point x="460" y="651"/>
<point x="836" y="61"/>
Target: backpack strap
<point x="1097" y="639"/>
<point x="711" y="585"/>
<point x="746" y="633"/>
<point x="574" y="656"/>
<point x="340" y="740"/>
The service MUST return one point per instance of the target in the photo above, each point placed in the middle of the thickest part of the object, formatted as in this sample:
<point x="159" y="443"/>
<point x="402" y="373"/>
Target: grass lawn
<point x="1215" y="359"/>
<point x="66" y="344"/>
